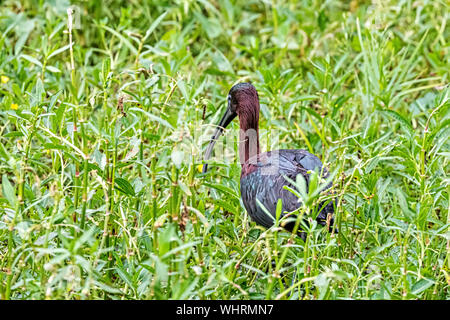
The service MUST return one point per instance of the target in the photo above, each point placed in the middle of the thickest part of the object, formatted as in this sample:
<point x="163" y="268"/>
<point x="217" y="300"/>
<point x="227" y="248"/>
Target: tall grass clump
<point x="101" y="106"/>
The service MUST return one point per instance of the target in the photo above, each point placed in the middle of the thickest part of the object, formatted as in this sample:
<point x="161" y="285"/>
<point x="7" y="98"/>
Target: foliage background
<point x="95" y="202"/>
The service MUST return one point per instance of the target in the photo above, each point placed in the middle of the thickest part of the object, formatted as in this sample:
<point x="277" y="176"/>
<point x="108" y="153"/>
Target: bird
<point x="265" y="175"/>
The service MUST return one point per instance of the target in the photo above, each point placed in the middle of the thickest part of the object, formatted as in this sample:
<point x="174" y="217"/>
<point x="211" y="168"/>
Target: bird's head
<point x="243" y="101"/>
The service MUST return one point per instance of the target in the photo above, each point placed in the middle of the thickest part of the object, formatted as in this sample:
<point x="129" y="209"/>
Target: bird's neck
<point x="248" y="136"/>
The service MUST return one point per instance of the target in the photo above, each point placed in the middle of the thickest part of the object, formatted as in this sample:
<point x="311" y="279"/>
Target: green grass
<point x="96" y="203"/>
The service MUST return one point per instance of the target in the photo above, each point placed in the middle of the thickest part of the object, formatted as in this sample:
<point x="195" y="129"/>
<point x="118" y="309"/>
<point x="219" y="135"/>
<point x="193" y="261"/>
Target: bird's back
<point x="263" y="179"/>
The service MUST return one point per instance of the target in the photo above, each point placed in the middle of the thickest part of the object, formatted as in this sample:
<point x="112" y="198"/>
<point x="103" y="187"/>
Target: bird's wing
<point x="266" y="184"/>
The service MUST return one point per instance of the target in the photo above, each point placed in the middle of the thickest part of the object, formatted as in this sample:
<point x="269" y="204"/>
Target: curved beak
<point x="224" y="122"/>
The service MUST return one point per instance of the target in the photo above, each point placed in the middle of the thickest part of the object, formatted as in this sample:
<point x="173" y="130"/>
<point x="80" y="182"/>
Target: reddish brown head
<point x="243" y="101"/>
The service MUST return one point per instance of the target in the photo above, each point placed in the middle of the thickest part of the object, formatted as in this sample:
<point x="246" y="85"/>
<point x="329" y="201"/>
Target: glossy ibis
<point x="263" y="174"/>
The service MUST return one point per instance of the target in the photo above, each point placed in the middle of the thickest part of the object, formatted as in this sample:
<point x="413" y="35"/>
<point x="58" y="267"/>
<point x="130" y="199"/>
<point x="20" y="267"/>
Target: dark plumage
<point x="263" y="174"/>
<point x="267" y="181"/>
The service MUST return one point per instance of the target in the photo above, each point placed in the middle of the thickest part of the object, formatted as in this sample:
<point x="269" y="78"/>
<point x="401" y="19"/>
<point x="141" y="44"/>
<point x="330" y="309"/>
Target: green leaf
<point x="153" y="117"/>
<point x="31" y="59"/>
<point x="154" y="25"/>
<point x="106" y="69"/>
<point x="122" y="38"/>
<point x="124" y="276"/>
<point x="313" y="182"/>
<point x="13" y="134"/>
<point x="39" y="89"/>
<point x="279" y="209"/>
<point x="9" y="191"/>
<point x="264" y="209"/>
<point x="403" y="122"/>
<point x="224" y="205"/>
<point x="124" y="186"/>
<point x="421" y="285"/>
<point x="224" y="189"/>
<point x="53" y="69"/>
<point x="106" y="287"/>
<point x="404" y="204"/>
<point x="58" y="51"/>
